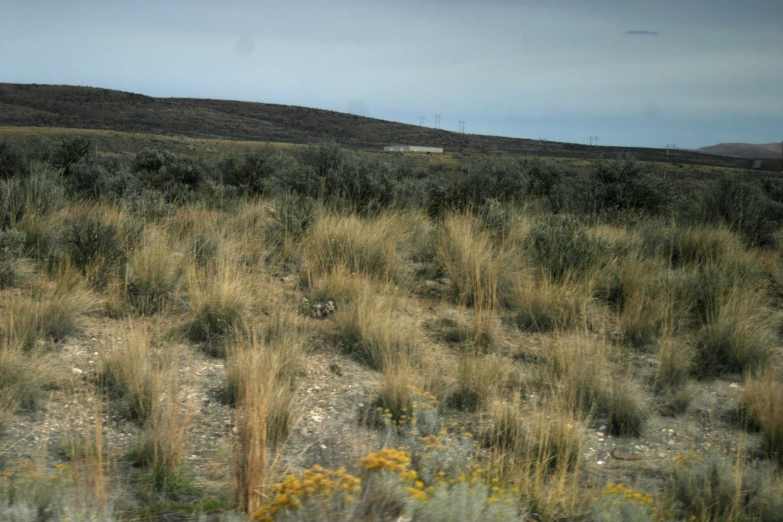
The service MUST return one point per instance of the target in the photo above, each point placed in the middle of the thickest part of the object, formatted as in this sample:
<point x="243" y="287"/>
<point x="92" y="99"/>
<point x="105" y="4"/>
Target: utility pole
<point x="593" y="140"/>
<point x="462" y="126"/>
<point x="421" y="120"/>
<point x="670" y="146"/>
<point x="436" y="120"/>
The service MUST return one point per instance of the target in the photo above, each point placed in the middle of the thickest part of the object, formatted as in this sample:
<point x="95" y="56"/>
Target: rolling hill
<point x="745" y="150"/>
<point x="31" y="105"/>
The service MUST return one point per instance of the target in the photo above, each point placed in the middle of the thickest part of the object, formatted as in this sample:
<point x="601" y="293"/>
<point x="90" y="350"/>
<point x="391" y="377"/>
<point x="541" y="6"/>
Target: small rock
<point x="76" y="371"/>
<point x="602" y="427"/>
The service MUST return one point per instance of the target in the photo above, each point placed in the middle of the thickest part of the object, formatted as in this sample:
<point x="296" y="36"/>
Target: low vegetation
<point x="324" y="335"/>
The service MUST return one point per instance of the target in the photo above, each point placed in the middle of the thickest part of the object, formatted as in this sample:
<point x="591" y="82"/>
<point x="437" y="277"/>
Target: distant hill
<point x="31" y="105"/>
<point x="744" y="150"/>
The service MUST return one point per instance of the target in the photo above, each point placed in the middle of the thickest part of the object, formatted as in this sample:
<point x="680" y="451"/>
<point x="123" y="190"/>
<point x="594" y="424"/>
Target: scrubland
<point x="324" y="336"/>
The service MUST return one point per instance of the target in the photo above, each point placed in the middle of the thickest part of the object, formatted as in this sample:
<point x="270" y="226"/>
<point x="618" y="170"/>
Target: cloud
<point x="636" y="32"/>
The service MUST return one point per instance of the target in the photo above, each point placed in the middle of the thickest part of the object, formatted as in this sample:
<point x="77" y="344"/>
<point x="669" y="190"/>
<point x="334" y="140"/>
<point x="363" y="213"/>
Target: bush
<point x="71" y="152"/>
<point x="173" y="176"/>
<point x="622" y="186"/>
<point x="96" y="181"/>
<point x="250" y="173"/>
<point x="12" y="268"/>
<point x="473" y="189"/>
<point x="90" y="240"/>
<point x="12" y="162"/>
<point x="743" y="207"/>
<point x="621" y="503"/>
<point x="561" y="246"/>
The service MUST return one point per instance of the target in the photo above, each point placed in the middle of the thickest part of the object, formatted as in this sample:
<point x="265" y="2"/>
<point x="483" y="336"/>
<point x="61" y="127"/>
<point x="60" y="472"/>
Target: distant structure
<point x="413" y="148"/>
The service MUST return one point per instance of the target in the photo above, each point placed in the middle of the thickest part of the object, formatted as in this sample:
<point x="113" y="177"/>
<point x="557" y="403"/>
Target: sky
<point x="631" y="72"/>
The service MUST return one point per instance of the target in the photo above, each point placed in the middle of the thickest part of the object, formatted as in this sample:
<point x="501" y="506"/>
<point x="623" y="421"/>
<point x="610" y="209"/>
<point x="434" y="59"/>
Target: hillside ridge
<point x="34" y="105"/>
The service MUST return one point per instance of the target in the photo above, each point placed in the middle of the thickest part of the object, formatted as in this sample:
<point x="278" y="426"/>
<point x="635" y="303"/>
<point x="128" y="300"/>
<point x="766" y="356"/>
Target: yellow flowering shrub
<point x="622" y="503"/>
<point x="318" y="490"/>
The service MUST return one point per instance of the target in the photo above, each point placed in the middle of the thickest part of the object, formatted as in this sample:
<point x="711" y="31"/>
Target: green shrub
<point x="561" y="246"/>
<point x="622" y="186"/>
<point x="743" y="207"/>
<point x="12" y="162"/>
<point x="89" y="240"/>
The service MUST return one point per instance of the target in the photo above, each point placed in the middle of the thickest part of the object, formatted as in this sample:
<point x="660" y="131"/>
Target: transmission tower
<point x="421" y="120"/>
<point x="436" y="121"/>
<point x="593" y="140"/>
<point x="670" y="146"/>
<point x="462" y="126"/>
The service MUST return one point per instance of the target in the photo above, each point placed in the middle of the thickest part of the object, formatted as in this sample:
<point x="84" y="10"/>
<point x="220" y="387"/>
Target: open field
<point x="311" y="333"/>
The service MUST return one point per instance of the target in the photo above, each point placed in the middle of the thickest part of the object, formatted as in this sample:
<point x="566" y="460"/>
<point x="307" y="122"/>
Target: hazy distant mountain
<point x="744" y="150"/>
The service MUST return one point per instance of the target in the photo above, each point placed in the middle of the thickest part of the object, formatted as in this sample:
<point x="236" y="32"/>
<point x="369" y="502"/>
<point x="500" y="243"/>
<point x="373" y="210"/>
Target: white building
<point x="413" y="148"/>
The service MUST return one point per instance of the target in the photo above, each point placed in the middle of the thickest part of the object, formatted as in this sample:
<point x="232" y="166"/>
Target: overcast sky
<point x="632" y="72"/>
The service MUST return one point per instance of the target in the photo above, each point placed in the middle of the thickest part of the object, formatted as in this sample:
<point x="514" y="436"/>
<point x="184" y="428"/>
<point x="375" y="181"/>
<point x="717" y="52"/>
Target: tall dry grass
<point x="134" y="371"/>
<point x="545" y="306"/>
<point x="163" y="442"/>
<point x="261" y="373"/>
<point x="360" y="245"/>
<point x="48" y="312"/>
<point x="152" y="275"/>
<point x="537" y="448"/>
<point x="481" y="276"/>
<point x="761" y="406"/>
<point x="23" y="375"/>
<point x="219" y="300"/>
<point x="375" y="330"/>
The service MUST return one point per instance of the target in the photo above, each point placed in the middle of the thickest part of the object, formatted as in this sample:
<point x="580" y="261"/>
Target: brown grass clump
<point x="675" y="366"/>
<point x="261" y="378"/>
<point x="50" y="314"/>
<point x="538" y="449"/>
<point x="480" y="275"/>
<point x="134" y="371"/>
<point x="162" y="446"/>
<point x="696" y="246"/>
<point x="152" y="275"/>
<point x="737" y="337"/>
<point x="627" y="408"/>
<point x="761" y="406"/>
<point x="545" y="306"/>
<point x="578" y="368"/>
<point x="374" y="329"/>
<point x="479" y="379"/>
<point x="360" y="245"/>
<point x="219" y="301"/>
<point x="23" y="374"/>
<point x="273" y="356"/>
